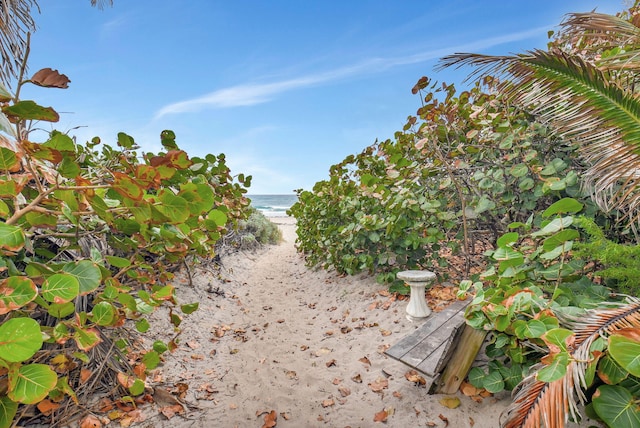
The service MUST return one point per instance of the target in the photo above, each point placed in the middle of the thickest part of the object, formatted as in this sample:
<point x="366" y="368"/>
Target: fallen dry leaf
<point x="413" y="376"/>
<point x="270" y="419"/>
<point x="385" y="332"/>
<point x="381" y="416"/>
<point x="330" y="363"/>
<point x="397" y="394"/>
<point x="444" y="419"/>
<point x="285" y="416"/>
<point x="328" y="402"/>
<point x="344" y="391"/>
<point x="85" y="374"/>
<point x="90" y="421"/>
<point x="469" y="390"/>
<point x="47" y="406"/>
<point x="193" y="344"/>
<point x="357" y="378"/>
<point x="336" y="381"/>
<point x="365" y="360"/>
<point x="171" y="411"/>
<point x="379" y="385"/>
<point x="451" y="402"/>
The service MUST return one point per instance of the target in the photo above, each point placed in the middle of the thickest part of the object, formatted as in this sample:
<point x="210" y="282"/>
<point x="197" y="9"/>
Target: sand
<point x="275" y="338"/>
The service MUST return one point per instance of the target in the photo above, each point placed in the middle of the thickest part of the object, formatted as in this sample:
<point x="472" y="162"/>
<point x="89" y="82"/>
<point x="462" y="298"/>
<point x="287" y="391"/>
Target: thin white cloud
<point x="258" y="93"/>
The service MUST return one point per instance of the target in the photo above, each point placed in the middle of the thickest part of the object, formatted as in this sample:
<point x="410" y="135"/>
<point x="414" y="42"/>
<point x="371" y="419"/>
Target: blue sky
<point x="285" y="88"/>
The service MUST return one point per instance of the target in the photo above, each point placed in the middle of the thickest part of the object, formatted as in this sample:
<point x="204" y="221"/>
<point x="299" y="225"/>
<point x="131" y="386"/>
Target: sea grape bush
<point x="449" y="183"/>
<point x="547" y="312"/>
<point x="89" y="237"/>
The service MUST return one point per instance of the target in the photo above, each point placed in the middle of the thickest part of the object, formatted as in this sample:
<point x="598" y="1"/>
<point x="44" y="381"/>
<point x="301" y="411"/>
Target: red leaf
<point x="49" y="78"/>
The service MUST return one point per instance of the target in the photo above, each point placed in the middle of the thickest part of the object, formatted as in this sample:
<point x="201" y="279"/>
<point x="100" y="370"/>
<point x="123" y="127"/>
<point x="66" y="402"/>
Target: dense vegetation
<point x="523" y="189"/>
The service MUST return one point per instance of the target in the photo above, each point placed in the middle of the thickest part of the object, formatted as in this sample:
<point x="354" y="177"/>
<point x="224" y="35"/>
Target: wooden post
<point x="461" y="360"/>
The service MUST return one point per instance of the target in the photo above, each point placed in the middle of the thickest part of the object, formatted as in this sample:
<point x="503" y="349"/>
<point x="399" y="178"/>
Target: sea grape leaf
<point x="49" y="78"/>
<point x="87" y="273"/>
<point x="11" y="238"/>
<point x="29" y="110"/>
<point x="20" y="339"/>
<point x="60" y="142"/>
<point x="624" y="347"/>
<point x="616" y="406"/>
<point x="218" y="217"/>
<point x="15" y="292"/>
<point x="86" y="338"/>
<point x="103" y="314"/>
<point x="9" y="160"/>
<point x="32" y="383"/>
<point x="173" y="207"/>
<point x="60" y="288"/>
<point x="127" y="186"/>
<point x="8" y="410"/>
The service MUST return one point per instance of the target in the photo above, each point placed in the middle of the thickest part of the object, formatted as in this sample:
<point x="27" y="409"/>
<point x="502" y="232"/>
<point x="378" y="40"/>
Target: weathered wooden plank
<point x="425" y="342"/>
<point x="436" y="362"/>
<point x="463" y="356"/>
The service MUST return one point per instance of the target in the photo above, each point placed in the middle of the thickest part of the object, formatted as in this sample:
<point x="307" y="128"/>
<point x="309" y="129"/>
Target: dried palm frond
<point x="536" y="403"/>
<point x="16" y="22"/>
<point x="583" y="104"/>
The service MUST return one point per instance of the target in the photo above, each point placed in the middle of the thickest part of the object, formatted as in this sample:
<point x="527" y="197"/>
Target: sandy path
<point x="273" y="335"/>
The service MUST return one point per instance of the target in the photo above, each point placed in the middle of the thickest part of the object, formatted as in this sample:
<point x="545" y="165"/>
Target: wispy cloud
<point x="258" y="93"/>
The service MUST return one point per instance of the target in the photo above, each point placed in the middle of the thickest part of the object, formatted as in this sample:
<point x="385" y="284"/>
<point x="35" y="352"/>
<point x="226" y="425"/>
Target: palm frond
<point x="15" y="22"/>
<point x="537" y="402"/>
<point x="581" y="103"/>
<point x="602" y="32"/>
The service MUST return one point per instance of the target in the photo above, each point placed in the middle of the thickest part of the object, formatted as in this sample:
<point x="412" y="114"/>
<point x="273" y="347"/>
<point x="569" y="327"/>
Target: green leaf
<point x="137" y="388"/>
<point x="15" y="292"/>
<point x="125" y="141"/>
<point x="86" y="338"/>
<point x="20" y="339"/>
<point x="29" y="110"/>
<point x="519" y="170"/>
<point x="189" y="308"/>
<point x="173" y="207"/>
<point x="558" y="337"/>
<point x="87" y="273"/>
<point x="103" y="314"/>
<point x="8" y="159"/>
<point x="32" y="383"/>
<point x="556" y="370"/>
<point x="61" y="310"/>
<point x="11" y="238"/>
<point x="476" y="377"/>
<point x="61" y="142"/>
<point x="60" y="288"/>
<point x="616" y="406"/>
<point x="218" y="217"/>
<point x="560" y="238"/>
<point x="160" y="347"/>
<point x="529" y="329"/>
<point x="151" y="360"/>
<point x="142" y="325"/>
<point x="507" y="238"/>
<point x="493" y="382"/>
<point x="563" y="206"/>
<point x="610" y="372"/>
<point x="118" y="262"/>
<point x="625" y="350"/>
<point x="554" y="226"/>
<point x="8" y="410"/>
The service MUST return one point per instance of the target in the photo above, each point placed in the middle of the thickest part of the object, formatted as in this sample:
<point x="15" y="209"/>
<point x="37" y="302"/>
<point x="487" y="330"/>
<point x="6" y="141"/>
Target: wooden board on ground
<point x="428" y="348"/>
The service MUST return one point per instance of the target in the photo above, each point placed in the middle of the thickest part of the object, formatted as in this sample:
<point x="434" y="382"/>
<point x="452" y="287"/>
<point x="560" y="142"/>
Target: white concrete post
<point x="418" y="280"/>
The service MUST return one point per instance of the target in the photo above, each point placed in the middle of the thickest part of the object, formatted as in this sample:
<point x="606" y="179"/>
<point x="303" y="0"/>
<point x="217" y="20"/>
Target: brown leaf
<point x="397" y="394"/>
<point x="47" y="406"/>
<point x="330" y="363"/>
<point x="357" y="378"/>
<point x="285" y="416"/>
<point x="49" y="78"/>
<point x="90" y="421"/>
<point x="328" y="402"/>
<point x="171" y="411"/>
<point x="365" y="360"/>
<point x="469" y="390"/>
<point x="385" y="332"/>
<point x="381" y="416"/>
<point x="270" y="419"/>
<point x="336" y="381"/>
<point x="444" y="419"/>
<point x="379" y="385"/>
<point x="344" y="391"/>
<point x="413" y="376"/>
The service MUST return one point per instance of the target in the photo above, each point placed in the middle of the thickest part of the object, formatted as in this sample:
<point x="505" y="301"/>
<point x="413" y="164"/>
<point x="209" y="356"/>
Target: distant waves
<point x="273" y="205"/>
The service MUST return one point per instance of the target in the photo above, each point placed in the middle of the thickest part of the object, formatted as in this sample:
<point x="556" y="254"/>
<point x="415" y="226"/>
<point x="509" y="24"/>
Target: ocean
<point x="273" y="205"/>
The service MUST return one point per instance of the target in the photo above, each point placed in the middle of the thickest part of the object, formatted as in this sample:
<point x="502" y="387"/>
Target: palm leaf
<point x="600" y="32"/>
<point x="15" y="23"/>
<point x="536" y="403"/>
<point x="581" y="103"/>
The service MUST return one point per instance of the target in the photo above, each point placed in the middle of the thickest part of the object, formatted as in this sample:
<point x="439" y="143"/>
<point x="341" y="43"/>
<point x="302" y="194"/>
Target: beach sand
<point x="275" y="338"/>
